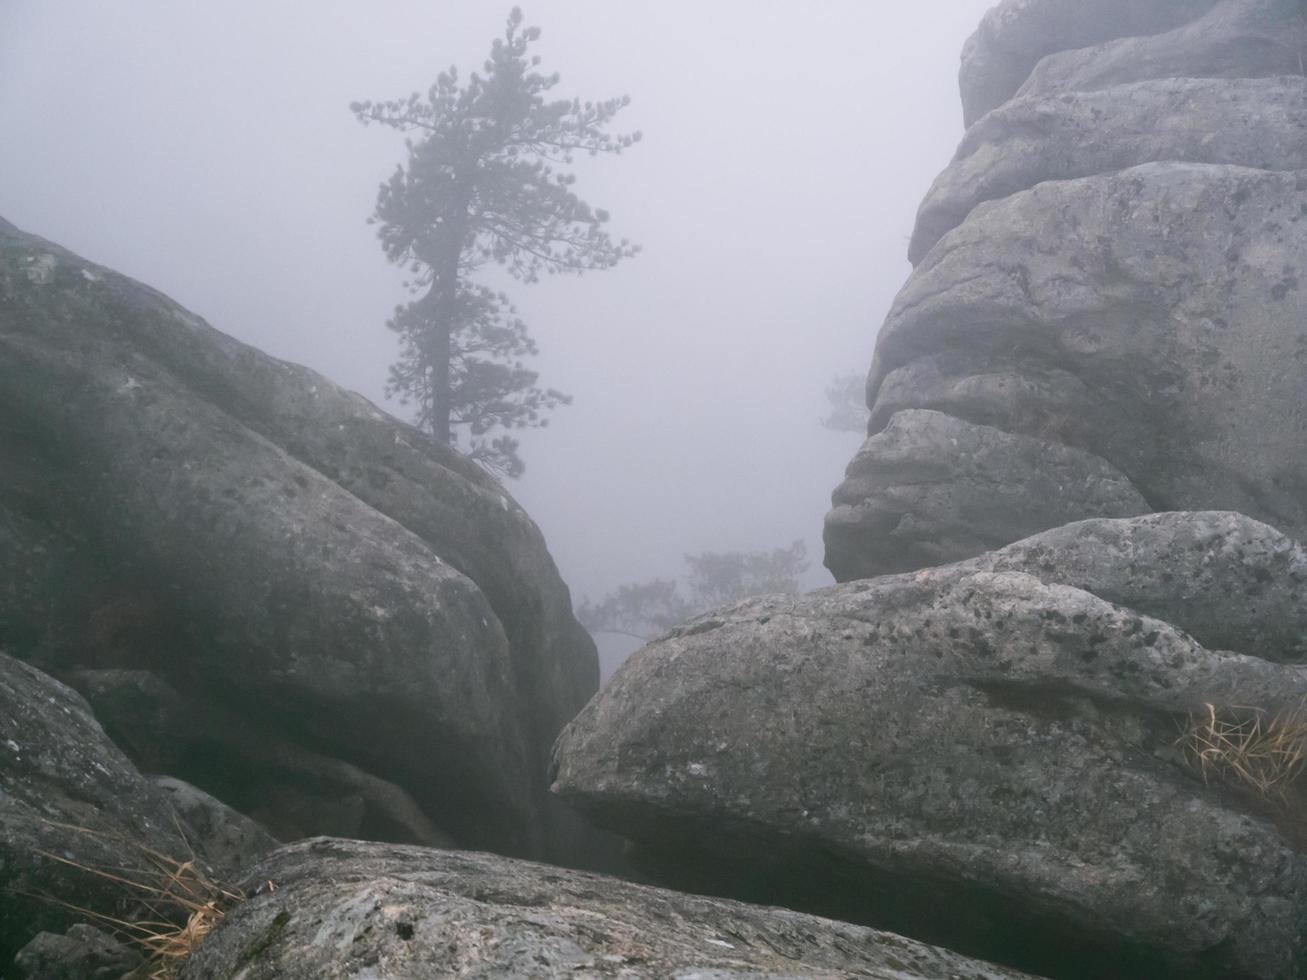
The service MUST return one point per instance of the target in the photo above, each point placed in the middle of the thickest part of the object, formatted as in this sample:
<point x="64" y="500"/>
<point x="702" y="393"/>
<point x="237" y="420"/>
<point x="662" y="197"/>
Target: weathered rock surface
<point x="1233" y="39"/>
<point x="276" y="548"/>
<point x="230" y="840"/>
<point x="1112" y="264"/>
<point x="1228" y="581"/>
<point x="68" y="797"/>
<point x="1016" y="34"/>
<point x="1150" y="318"/>
<point x="1246" y="122"/>
<point x="930" y="487"/>
<point x="983" y="755"/>
<point x="349" y="909"/>
<point x="82" y="953"/>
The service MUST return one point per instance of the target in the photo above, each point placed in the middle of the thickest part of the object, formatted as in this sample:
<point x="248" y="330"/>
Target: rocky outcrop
<point x="343" y="908"/>
<point x="989" y="755"/>
<point x="1015" y="35"/>
<point x="1111" y="267"/>
<point x="71" y="805"/>
<point x="1243" y="122"/>
<point x="241" y="532"/>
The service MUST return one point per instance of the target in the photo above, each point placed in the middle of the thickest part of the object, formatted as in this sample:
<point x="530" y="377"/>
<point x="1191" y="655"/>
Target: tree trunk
<point x="440" y="351"/>
<point x="444" y="296"/>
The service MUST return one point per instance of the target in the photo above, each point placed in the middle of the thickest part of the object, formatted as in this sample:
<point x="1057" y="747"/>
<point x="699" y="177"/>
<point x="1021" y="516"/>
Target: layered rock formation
<point x="1106" y="314"/>
<point x="266" y="585"/>
<point x="344" y="908"/>
<point x="1000" y="756"/>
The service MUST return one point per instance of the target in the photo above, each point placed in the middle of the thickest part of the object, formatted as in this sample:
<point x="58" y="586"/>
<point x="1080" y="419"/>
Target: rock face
<point x="1108" y="296"/>
<point x="70" y="801"/>
<point x="241" y="536"/>
<point x="349" y="909"/>
<point x="987" y="755"/>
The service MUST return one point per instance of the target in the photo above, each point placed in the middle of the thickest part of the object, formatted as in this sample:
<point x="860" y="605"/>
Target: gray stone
<point x="1151" y="318"/>
<point x="1016" y="34"/>
<point x="1230" y="582"/>
<point x="288" y="550"/>
<point x="982" y="756"/>
<point x="1248" y="122"/>
<point x="229" y="840"/>
<point x="82" y="953"/>
<point x="348" y="909"/>
<point x="929" y="487"/>
<point x="70" y="802"/>
<point x="249" y="762"/>
<point x="1234" y="39"/>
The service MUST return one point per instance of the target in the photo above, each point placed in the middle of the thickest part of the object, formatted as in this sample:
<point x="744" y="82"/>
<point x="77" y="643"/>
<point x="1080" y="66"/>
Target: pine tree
<point x="486" y="184"/>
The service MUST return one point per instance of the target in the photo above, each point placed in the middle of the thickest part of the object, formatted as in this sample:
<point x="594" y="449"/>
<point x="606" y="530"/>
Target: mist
<point x="208" y="150"/>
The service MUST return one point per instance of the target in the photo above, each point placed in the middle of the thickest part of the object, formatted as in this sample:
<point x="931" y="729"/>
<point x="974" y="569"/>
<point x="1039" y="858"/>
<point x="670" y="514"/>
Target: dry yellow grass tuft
<point x="1248" y="745"/>
<point x="182" y="903"/>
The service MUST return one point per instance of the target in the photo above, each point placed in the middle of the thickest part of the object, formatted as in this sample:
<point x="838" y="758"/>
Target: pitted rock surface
<point x="1113" y="265"/>
<point x="350" y="909"/>
<point x="983" y="755"/>
<point x="1148" y="318"/>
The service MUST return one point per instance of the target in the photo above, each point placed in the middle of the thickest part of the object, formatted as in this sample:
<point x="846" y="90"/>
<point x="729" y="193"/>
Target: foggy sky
<point x="207" y="149"/>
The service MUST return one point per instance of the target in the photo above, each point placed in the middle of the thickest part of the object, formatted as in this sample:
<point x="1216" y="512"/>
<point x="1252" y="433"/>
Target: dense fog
<point x="209" y="151"/>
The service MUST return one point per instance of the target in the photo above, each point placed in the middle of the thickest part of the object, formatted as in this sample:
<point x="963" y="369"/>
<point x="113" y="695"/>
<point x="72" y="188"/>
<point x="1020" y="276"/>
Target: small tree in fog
<point x="484" y="185"/>
<point x="645" y="609"/>
<point x="847" y="395"/>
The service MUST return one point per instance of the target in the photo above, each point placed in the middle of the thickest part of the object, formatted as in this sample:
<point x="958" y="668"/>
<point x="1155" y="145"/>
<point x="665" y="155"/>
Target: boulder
<point x="998" y="756"/>
<point x="1233" y="39"/>
<point x="1149" y="319"/>
<point x="280" y="551"/>
<point x="1150" y="159"/>
<point x="1255" y="122"/>
<point x="1016" y="34"/>
<point x="930" y="487"/>
<point x="348" y="909"/>
<point x="231" y="841"/>
<point x="71" y="805"/>
<point x="82" y="953"/>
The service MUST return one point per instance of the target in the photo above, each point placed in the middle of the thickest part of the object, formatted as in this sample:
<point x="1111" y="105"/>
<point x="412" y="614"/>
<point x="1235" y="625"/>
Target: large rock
<point x="1234" y="39"/>
<point x="930" y="487"/>
<point x="984" y="755"/>
<point x="348" y="909"/>
<point x="1150" y="319"/>
<point x="71" y="804"/>
<point x="1016" y="34"/>
<point x="276" y="548"/>
<point x="1248" y="122"/>
<point x="1111" y="264"/>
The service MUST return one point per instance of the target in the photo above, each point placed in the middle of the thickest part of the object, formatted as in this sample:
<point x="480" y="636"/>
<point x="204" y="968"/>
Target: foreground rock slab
<point x="390" y="912"/>
<point x="983" y="755"/>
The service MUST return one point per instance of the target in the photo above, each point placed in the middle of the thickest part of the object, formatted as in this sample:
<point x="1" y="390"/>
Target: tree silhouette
<point x="486" y="184"/>
<point x="717" y="578"/>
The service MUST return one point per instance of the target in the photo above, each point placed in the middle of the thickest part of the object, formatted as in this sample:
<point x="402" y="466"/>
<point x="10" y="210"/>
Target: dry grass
<point x="181" y="903"/>
<point x="1248" y="746"/>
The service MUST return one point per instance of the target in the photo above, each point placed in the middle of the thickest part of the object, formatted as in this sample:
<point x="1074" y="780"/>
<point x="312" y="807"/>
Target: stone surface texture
<point x="984" y="755"/>
<point x="82" y="953"/>
<point x="389" y="912"/>
<point x="70" y="802"/>
<point x="274" y="547"/>
<point x="1111" y="267"/>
